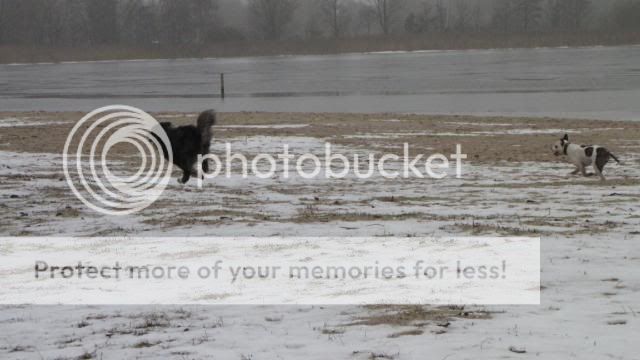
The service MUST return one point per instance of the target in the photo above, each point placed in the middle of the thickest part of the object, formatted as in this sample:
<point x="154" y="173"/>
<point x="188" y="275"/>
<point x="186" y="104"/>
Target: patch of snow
<point x="15" y="122"/>
<point x="590" y="256"/>
<point x="273" y="126"/>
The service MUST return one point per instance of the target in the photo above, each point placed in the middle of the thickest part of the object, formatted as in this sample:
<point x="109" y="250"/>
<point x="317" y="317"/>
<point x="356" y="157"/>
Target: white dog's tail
<point x="614" y="157"/>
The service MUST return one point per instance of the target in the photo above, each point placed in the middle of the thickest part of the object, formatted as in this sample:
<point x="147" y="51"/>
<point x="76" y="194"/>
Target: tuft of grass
<point x="87" y="356"/>
<point x="273" y="318"/>
<point x="20" y="348"/>
<point x="144" y="344"/>
<point x="82" y="324"/>
<point x="309" y="213"/>
<point x="154" y="320"/>
<point x="312" y="215"/>
<point x="333" y="331"/>
<point x="477" y="228"/>
<point x="65" y="342"/>
<point x="68" y="212"/>
<point x="200" y="339"/>
<point x="409" y="315"/>
<point x="414" y="332"/>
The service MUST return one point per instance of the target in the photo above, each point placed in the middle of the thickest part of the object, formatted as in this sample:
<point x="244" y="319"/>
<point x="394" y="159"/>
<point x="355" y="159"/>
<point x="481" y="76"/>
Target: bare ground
<point x="485" y="139"/>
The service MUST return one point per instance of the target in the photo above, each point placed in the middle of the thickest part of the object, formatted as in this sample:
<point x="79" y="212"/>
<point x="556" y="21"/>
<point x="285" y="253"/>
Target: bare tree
<point x="335" y="14"/>
<point x="503" y="12"/>
<point x="176" y="16"/>
<point x="312" y="30"/>
<point x="75" y="23"/>
<point x="172" y="23"/>
<point x="578" y="12"/>
<point x="103" y="21"/>
<point x="568" y="14"/>
<point x="626" y="15"/>
<point x="366" y="16"/>
<point x="463" y="15"/>
<point x="3" y="20"/>
<point x="54" y="22"/>
<point x="137" y="22"/>
<point x="271" y="17"/>
<point x="386" y="12"/>
<point x="476" y="16"/>
<point x="419" y="22"/>
<point x="13" y="21"/>
<point x="203" y="19"/>
<point x="528" y="13"/>
<point x="442" y="16"/>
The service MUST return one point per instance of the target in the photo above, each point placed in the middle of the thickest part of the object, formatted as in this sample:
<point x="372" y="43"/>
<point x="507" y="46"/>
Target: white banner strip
<point x="258" y="271"/>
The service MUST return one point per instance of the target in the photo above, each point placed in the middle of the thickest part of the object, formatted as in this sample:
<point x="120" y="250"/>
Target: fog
<point x="170" y="23"/>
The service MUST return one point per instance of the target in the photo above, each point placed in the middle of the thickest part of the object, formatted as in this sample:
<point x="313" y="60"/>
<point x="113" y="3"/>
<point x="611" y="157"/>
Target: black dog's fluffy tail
<point x="205" y="121"/>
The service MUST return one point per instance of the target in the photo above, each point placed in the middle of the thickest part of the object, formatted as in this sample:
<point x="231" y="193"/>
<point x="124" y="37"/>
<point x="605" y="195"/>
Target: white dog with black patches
<point x="584" y="155"/>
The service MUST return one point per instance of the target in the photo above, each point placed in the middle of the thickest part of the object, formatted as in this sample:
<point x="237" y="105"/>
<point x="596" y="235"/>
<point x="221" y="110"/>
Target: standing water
<point x="601" y="83"/>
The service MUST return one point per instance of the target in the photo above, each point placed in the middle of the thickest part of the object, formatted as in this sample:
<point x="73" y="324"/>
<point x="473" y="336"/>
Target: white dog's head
<point x="558" y="147"/>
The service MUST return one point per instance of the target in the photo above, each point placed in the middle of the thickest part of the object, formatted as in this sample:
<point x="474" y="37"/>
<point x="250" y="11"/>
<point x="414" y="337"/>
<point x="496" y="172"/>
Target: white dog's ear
<point x="566" y="137"/>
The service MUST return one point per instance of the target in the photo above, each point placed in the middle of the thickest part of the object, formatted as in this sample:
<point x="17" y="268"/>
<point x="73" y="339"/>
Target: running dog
<point x="187" y="142"/>
<point x="584" y="155"/>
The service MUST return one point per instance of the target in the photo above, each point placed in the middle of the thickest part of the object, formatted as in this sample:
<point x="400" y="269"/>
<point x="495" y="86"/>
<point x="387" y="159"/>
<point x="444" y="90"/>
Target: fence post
<point x="222" y="85"/>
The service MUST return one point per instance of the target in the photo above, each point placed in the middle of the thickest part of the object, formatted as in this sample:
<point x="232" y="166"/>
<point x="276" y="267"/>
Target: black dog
<point x="187" y="142"/>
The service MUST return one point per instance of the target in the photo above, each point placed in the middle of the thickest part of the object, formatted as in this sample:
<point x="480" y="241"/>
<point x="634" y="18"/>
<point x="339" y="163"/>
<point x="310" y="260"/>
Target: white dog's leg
<point x="598" y="172"/>
<point x="583" y="170"/>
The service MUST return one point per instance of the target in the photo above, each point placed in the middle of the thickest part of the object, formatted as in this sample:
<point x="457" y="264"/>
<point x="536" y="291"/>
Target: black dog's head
<point x="559" y="146"/>
<point x="168" y="128"/>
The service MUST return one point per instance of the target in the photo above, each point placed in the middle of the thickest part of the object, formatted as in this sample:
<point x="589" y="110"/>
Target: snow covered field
<point x="590" y="250"/>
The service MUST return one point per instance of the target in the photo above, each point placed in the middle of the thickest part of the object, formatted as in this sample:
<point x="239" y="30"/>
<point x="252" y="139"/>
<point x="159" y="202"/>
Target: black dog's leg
<point x="204" y="150"/>
<point x="186" y="175"/>
<point x="186" y="165"/>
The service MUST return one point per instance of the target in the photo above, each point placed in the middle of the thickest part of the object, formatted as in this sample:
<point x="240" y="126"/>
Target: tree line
<point x="182" y="23"/>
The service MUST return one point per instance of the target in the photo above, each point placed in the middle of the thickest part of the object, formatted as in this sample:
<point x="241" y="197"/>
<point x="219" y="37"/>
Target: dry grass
<point x="572" y="181"/>
<point x="402" y="42"/>
<point x="201" y="217"/>
<point x="414" y="332"/>
<point x="477" y="228"/>
<point x="144" y="344"/>
<point x="311" y="215"/>
<point x="421" y="132"/>
<point x="414" y="315"/>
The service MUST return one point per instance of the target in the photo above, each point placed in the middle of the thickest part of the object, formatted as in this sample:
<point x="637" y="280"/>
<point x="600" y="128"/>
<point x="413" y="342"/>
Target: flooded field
<point x="597" y="83"/>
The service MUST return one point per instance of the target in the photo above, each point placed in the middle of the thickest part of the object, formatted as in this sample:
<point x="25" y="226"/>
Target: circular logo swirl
<point x="87" y="169"/>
